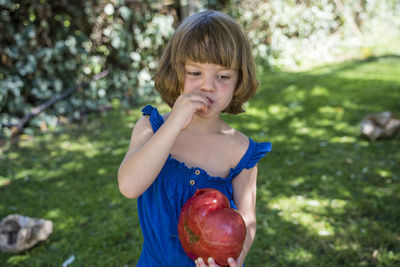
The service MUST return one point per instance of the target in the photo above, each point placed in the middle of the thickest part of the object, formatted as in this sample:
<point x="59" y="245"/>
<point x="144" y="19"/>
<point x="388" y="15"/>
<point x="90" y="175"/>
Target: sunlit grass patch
<point x="325" y="196"/>
<point x="324" y="190"/>
<point x="312" y="214"/>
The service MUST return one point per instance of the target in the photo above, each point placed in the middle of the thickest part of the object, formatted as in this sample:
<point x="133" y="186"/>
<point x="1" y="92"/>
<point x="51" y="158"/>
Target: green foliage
<point x="295" y="35"/>
<point x="47" y="46"/>
<point x="50" y="46"/>
<point x="326" y="196"/>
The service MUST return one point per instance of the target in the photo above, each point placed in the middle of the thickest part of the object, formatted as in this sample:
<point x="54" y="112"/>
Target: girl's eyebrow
<point x="193" y="64"/>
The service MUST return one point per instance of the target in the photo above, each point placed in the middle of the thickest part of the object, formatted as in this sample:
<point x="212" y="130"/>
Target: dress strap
<point x="156" y="120"/>
<point x="253" y="154"/>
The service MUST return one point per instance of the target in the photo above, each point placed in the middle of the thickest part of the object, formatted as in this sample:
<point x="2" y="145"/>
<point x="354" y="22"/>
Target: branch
<point x="36" y="111"/>
<point x="349" y="20"/>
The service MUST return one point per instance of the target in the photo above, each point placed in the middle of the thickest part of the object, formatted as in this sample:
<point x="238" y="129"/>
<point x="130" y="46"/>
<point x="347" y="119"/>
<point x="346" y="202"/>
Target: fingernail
<point x="210" y="260"/>
<point x="230" y="260"/>
<point x="200" y="261"/>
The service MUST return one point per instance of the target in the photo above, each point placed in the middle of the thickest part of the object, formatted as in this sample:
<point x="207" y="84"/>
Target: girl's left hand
<point x="211" y="263"/>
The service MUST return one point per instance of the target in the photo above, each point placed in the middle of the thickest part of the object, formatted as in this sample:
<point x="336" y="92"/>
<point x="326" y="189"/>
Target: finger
<point x="211" y="262"/>
<point x="204" y="109"/>
<point x="200" y="106"/>
<point x="196" y="102"/>
<point x="200" y="262"/>
<point x="198" y="98"/>
<point x="232" y="262"/>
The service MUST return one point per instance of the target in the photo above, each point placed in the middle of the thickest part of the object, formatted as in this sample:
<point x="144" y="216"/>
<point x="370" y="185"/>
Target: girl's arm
<point x="244" y="194"/>
<point x="148" y="152"/>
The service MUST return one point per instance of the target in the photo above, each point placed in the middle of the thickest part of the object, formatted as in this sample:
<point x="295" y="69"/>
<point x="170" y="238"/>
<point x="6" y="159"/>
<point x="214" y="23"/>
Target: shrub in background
<point x="50" y="46"/>
<point x="295" y="35"/>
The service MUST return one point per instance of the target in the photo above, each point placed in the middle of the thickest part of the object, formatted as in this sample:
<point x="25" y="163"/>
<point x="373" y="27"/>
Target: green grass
<point x="326" y="196"/>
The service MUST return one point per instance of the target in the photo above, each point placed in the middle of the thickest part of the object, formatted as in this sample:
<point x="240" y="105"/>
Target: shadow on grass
<point x="326" y="197"/>
<point x="70" y="177"/>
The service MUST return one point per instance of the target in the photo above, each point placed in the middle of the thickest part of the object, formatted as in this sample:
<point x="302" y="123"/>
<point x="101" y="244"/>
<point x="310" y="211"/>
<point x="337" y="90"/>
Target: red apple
<point x="209" y="227"/>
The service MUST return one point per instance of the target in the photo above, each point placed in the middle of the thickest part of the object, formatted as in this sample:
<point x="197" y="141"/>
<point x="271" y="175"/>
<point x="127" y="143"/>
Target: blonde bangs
<point x="209" y="41"/>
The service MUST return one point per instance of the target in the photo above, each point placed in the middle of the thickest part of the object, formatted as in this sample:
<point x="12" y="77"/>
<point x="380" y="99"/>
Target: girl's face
<point x="215" y="82"/>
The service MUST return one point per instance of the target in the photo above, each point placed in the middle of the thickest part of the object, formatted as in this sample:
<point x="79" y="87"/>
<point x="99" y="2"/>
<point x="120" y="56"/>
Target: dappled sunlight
<point x="299" y="254"/>
<point x="315" y="105"/>
<point x="4" y="181"/>
<point x="312" y="214"/>
<point x="366" y="71"/>
<point x="278" y="112"/>
<point x="323" y="190"/>
<point x="299" y="126"/>
<point x="319" y="91"/>
<point x="53" y="214"/>
<point x="328" y="112"/>
<point x="386" y="174"/>
<point x="344" y="139"/>
<point x="260" y="114"/>
<point x="76" y="166"/>
<point x="70" y="177"/>
<point x="378" y="191"/>
<point x="293" y="94"/>
<point x="18" y="259"/>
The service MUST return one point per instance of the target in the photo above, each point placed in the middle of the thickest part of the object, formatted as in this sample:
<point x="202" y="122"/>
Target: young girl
<point x="207" y="68"/>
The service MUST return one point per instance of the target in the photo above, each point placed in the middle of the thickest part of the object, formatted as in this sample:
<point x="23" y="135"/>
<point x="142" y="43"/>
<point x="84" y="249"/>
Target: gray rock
<point x="377" y="125"/>
<point x="18" y="233"/>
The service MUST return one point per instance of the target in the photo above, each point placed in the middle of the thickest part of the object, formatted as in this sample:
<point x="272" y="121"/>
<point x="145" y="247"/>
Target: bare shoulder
<point x="242" y="141"/>
<point x="142" y="131"/>
<point x="142" y="124"/>
<point x="238" y="143"/>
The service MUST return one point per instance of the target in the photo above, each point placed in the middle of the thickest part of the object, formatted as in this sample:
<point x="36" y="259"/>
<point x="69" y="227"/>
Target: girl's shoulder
<point x="143" y="123"/>
<point x="245" y="151"/>
<point x="240" y="139"/>
<point x="142" y="129"/>
<point x="236" y="141"/>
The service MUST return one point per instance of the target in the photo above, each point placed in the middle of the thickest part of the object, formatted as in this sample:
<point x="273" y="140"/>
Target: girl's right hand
<point x="186" y="105"/>
<point x="211" y="263"/>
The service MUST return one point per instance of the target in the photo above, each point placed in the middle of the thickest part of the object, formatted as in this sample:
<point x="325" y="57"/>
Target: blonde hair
<point x="208" y="37"/>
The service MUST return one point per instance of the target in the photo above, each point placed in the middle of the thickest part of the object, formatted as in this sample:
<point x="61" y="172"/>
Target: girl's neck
<point x="205" y="125"/>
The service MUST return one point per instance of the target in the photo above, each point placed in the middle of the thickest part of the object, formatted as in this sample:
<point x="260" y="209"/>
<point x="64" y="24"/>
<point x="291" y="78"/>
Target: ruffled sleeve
<point x="253" y="154"/>
<point x="260" y="150"/>
<point x="156" y="120"/>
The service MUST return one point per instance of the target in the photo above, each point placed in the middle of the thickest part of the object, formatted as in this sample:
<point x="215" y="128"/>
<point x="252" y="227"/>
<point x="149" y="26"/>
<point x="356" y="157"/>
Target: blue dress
<point x="160" y="205"/>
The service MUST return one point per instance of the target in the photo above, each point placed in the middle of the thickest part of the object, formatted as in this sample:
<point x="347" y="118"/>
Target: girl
<point x="207" y="68"/>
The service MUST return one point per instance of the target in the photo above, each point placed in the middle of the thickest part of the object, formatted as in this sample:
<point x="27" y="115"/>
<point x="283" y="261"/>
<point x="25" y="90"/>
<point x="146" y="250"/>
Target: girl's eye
<point x="224" y="77"/>
<point x="194" y="73"/>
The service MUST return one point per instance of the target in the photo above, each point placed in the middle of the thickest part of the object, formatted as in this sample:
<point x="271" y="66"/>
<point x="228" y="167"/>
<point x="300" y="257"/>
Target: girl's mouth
<point x="210" y="101"/>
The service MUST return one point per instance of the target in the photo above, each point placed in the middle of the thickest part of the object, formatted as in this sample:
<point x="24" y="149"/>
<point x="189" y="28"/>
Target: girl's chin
<point x="204" y="113"/>
<point x="209" y="112"/>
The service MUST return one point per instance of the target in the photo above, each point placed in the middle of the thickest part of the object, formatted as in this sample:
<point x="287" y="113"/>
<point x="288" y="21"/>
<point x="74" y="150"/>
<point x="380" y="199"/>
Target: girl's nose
<point x="208" y="83"/>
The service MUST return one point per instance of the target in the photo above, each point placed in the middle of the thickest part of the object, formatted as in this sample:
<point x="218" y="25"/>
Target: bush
<point x="50" y="46"/>
<point x="295" y="35"/>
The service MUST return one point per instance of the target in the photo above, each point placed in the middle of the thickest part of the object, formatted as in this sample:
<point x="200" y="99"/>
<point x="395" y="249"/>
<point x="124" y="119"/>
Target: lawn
<point x="326" y="196"/>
